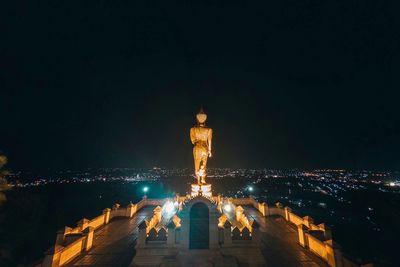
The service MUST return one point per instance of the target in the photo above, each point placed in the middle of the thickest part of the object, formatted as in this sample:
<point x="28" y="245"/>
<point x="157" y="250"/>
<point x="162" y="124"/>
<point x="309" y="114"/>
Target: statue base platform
<point x="201" y="189"/>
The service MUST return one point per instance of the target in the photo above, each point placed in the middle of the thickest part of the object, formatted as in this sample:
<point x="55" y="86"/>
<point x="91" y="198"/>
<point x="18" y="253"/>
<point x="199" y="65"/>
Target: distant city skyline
<point x="345" y="177"/>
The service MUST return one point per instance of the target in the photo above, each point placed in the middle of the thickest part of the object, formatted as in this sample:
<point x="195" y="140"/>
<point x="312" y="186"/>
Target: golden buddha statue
<point x="201" y="137"/>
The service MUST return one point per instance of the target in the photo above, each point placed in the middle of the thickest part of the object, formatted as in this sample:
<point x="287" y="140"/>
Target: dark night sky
<point x="286" y="84"/>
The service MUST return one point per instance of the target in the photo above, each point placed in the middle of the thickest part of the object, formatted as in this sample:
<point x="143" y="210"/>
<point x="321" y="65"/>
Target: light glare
<point x="169" y="209"/>
<point x="227" y="208"/>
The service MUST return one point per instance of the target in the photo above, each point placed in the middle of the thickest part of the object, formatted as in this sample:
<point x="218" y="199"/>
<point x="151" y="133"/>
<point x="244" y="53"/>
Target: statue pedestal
<point x="201" y="189"/>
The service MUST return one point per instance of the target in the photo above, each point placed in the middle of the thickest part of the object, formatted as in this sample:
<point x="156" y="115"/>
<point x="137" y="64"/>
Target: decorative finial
<point x="201" y="110"/>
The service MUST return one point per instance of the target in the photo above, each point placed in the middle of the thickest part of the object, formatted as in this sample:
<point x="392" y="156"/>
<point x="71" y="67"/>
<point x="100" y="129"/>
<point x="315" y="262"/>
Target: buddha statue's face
<point x="201" y="118"/>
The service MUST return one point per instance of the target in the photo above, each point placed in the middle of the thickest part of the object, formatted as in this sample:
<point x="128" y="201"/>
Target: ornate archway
<point x="199" y="226"/>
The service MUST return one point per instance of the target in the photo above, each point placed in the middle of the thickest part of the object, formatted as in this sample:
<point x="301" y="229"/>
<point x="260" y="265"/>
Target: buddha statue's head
<point x="201" y="117"/>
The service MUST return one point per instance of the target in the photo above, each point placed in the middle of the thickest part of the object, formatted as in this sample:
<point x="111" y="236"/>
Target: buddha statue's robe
<point x="201" y="138"/>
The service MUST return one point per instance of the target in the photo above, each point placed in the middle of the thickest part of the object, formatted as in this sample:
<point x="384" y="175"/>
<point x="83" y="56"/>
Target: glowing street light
<point x="250" y="188"/>
<point x="145" y="190"/>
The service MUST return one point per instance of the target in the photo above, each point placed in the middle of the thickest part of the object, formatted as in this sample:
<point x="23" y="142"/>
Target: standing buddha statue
<point x="201" y="137"/>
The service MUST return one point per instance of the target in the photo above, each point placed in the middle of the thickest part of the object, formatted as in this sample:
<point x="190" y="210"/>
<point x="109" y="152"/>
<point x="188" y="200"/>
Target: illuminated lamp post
<point x="250" y="189"/>
<point x="145" y="190"/>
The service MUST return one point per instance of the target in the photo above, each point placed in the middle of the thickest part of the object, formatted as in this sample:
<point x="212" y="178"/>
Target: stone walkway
<point x="113" y="244"/>
<point x="280" y="240"/>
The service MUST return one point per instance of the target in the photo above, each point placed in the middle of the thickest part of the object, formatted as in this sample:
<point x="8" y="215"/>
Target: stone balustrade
<point x="70" y="242"/>
<point x="261" y="207"/>
<point x="73" y="245"/>
<point x="317" y="238"/>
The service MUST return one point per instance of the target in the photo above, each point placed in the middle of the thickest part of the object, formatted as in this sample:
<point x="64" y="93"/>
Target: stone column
<point x="89" y="233"/>
<point x="263" y="207"/>
<point x="287" y="213"/>
<point x="279" y="209"/>
<point x="327" y="231"/>
<point x="307" y="220"/>
<point x="302" y="230"/>
<point x="106" y="213"/>
<point x="227" y="233"/>
<point x="130" y="210"/>
<point x="61" y="235"/>
<point x="334" y="254"/>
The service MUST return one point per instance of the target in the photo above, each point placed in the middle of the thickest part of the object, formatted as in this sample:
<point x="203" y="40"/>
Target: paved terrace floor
<point x="113" y="244"/>
<point x="280" y="240"/>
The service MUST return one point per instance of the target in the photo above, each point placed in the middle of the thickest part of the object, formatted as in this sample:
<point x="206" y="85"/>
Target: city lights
<point x="145" y="189"/>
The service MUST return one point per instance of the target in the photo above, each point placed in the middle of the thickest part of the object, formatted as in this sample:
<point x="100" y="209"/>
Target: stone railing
<point x="73" y="244"/>
<point x="70" y="242"/>
<point x="277" y="210"/>
<point x="317" y="246"/>
<point x="315" y="238"/>
<point x="261" y="207"/>
<point x="96" y="222"/>
<point x="150" y="202"/>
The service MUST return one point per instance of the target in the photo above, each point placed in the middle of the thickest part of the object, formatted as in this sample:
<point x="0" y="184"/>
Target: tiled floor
<point x="114" y="244"/>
